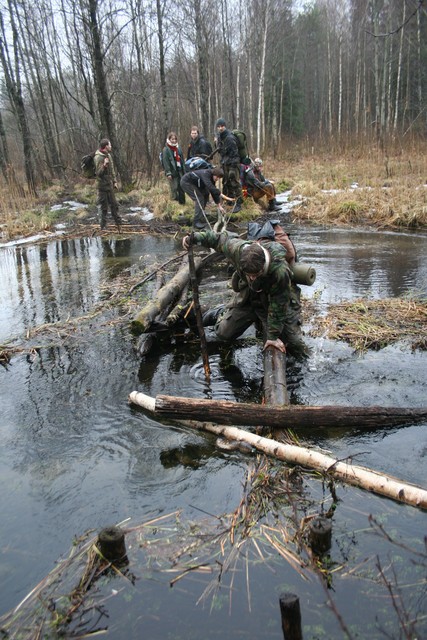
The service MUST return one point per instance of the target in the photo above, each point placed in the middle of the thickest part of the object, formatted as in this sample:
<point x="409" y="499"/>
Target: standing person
<point x="173" y="164"/>
<point x="263" y="292"/>
<point x="107" y="183"/>
<point x="258" y="187"/>
<point x="199" y="146"/>
<point x="199" y="185"/>
<point x="230" y="162"/>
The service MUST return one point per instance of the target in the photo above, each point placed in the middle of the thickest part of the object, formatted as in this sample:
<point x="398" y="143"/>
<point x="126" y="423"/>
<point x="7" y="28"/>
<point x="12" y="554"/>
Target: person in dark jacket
<point x="263" y="292"/>
<point x="258" y="187"/>
<point x="230" y="162"/>
<point x="199" y="185"/>
<point x="199" y="147"/>
<point x="173" y="165"/>
<point x="107" y="183"/>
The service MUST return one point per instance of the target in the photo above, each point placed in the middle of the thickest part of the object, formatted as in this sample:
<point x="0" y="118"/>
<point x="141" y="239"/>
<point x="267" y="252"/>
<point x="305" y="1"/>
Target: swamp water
<point x="75" y="456"/>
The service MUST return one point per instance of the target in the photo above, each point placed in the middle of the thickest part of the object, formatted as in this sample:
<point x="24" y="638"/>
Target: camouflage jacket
<point x="105" y="176"/>
<point x="273" y="288"/>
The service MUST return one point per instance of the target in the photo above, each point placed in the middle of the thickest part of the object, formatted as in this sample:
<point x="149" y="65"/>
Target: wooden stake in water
<point x="197" y="310"/>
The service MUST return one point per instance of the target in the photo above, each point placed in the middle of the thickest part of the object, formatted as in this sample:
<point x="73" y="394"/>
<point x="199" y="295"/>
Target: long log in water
<point x="167" y="294"/>
<point x="286" y="417"/>
<point x="355" y="475"/>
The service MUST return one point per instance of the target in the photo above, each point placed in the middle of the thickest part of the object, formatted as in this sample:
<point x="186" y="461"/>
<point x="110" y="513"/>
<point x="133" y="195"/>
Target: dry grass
<point x="392" y="189"/>
<point x="392" y="192"/>
<point x="374" y="324"/>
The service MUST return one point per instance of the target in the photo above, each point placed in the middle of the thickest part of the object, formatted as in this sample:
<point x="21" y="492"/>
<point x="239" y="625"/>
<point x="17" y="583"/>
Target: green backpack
<point x="87" y="165"/>
<point x="241" y="143"/>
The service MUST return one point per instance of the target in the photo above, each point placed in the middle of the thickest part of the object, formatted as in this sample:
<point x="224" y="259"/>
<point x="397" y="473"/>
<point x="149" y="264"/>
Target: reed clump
<point x="375" y="324"/>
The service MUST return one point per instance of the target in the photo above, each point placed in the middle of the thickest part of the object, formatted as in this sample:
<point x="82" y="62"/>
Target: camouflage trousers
<point x="242" y="313"/>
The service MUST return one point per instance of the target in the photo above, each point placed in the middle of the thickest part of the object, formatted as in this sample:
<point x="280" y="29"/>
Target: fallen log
<point x="354" y="475"/>
<point x="167" y="294"/>
<point x="284" y="417"/>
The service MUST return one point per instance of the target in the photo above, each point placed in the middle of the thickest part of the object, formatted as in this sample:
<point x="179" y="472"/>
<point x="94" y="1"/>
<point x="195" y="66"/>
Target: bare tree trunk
<point x="37" y="87"/>
<point x="138" y="27"/>
<point x="399" y="71"/>
<point x="340" y="84"/>
<point x="202" y="66"/>
<point x="14" y="90"/>
<point x="330" y="76"/>
<point x="228" y="52"/>
<point x="261" y="82"/>
<point x="4" y="151"/>
<point x="163" y="90"/>
<point x="107" y="123"/>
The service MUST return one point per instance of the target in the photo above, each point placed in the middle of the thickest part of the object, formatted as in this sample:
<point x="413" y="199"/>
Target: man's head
<point x="253" y="260"/>
<point x="194" y="133"/>
<point x="105" y="145"/>
<point x="257" y="163"/>
<point x="221" y="124"/>
<point x="217" y="173"/>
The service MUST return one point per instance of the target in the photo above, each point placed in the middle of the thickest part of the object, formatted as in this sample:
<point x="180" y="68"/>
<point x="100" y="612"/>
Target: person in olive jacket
<point x="173" y="165"/>
<point x="106" y="182"/>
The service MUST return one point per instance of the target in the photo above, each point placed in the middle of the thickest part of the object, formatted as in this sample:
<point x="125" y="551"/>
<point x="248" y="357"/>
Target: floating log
<point x="166" y="295"/>
<point x="288" y="417"/>
<point x="355" y="475"/>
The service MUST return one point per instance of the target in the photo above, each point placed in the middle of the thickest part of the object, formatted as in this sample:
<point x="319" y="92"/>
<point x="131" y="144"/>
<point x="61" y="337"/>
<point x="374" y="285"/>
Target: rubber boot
<point x="211" y="316"/>
<point x="103" y="220"/>
<point x="273" y="205"/>
<point x="238" y="206"/>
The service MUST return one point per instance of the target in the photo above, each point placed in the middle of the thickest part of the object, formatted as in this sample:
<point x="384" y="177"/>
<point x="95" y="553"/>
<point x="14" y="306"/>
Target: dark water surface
<point x="76" y="456"/>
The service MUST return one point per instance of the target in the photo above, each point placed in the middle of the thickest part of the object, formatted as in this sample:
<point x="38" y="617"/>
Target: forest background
<point x="339" y="77"/>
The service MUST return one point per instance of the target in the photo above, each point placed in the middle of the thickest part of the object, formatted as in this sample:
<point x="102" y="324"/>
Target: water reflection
<point x="51" y="282"/>
<point x="75" y="456"/>
<point x="354" y="263"/>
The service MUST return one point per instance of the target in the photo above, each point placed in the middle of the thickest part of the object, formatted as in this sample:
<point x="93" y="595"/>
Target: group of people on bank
<point x="238" y="175"/>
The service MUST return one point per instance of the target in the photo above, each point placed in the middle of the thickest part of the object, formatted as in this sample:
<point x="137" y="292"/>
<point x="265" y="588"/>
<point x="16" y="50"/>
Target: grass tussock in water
<point x="374" y="324"/>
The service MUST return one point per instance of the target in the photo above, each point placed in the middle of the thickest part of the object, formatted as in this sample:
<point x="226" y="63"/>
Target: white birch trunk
<point x="355" y="475"/>
<point x="260" y="115"/>
<point x="399" y="71"/>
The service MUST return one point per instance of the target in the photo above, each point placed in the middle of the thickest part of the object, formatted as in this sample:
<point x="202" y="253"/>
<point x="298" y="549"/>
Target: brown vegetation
<point x="391" y="192"/>
<point x="374" y="324"/>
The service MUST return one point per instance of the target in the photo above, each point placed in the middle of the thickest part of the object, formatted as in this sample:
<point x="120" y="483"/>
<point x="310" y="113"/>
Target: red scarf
<point x="174" y="149"/>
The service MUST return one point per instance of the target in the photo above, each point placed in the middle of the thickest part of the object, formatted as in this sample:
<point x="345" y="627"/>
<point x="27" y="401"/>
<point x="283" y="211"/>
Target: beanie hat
<point x="220" y="122"/>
